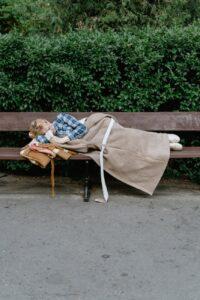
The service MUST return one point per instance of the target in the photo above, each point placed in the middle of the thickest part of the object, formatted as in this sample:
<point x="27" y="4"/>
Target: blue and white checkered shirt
<point x="65" y="124"/>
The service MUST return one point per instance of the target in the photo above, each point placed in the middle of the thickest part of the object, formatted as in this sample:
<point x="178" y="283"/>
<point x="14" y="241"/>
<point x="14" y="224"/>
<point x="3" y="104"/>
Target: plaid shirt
<point x="65" y="124"/>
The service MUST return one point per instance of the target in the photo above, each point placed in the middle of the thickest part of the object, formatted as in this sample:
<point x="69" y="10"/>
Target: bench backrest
<point x="150" y="121"/>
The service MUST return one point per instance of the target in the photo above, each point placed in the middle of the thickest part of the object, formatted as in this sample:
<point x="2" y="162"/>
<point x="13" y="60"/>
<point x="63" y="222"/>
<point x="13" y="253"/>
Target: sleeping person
<point x="62" y="130"/>
<point x="66" y="128"/>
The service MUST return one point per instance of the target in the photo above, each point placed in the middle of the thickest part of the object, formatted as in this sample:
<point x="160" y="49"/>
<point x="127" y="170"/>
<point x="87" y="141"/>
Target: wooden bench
<point x="149" y="121"/>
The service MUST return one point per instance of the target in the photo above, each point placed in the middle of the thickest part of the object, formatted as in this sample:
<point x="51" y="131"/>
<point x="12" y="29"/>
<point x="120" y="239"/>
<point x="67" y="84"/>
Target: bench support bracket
<point x="86" y="196"/>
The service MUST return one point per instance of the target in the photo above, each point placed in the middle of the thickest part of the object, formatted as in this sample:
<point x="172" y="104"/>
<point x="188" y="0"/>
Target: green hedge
<point x="148" y="70"/>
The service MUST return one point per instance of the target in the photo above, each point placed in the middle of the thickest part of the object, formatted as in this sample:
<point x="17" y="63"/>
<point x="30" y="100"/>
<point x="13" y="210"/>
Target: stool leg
<point x="86" y="183"/>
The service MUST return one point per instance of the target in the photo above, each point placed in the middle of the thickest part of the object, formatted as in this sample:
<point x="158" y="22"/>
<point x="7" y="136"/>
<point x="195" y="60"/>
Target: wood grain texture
<point x="150" y="121"/>
<point x="7" y="153"/>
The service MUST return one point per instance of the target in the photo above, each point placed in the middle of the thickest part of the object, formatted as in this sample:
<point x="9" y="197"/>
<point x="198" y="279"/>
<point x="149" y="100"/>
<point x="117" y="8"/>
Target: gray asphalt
<point x="136" y="247"/>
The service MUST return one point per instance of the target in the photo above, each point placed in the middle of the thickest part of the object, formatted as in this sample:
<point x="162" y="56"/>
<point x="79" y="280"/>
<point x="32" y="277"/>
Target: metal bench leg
<point x="86" y="183"/>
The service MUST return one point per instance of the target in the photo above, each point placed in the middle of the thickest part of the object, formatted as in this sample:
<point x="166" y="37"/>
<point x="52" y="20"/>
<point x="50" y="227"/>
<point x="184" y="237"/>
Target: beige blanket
<point x="136" y="157"/>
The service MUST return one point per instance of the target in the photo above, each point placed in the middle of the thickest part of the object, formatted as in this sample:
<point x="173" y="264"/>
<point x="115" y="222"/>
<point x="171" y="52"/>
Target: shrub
<point x="148" y="70"/>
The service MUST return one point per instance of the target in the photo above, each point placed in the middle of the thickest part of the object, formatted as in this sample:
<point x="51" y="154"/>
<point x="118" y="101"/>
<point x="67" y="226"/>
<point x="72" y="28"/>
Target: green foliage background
<point x="64" y="55"/>
<point x="59" y="16"/>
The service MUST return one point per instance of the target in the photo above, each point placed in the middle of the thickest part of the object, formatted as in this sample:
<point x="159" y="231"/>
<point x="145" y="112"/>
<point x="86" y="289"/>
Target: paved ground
<point x="137" y="247"/>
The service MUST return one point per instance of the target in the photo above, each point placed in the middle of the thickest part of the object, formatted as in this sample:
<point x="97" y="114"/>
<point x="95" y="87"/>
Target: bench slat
<point x="151" y="121"/>
<point x="7" y="153"/>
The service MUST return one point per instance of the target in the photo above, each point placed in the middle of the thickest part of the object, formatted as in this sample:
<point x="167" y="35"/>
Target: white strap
<point x="105" y="138"/>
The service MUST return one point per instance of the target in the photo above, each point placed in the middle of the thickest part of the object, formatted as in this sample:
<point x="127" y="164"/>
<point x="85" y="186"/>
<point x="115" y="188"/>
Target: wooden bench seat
<point x="168" y="122"/>
<point x="7" y="153"/>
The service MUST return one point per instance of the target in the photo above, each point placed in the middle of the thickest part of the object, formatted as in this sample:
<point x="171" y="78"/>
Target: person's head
<point x="38" y="126"/>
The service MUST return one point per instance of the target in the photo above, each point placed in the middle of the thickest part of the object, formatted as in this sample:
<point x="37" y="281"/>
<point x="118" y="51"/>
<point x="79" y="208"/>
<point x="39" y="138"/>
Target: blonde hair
<point x="35" y="128"/>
